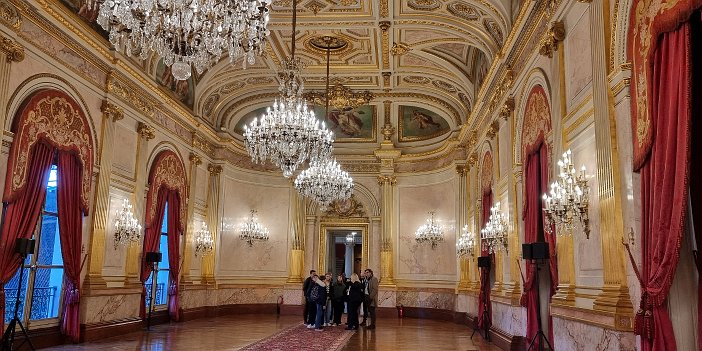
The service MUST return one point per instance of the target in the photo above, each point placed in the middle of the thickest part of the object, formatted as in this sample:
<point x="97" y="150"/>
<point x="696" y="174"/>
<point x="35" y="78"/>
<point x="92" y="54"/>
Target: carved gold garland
<point x="167" y="171"/>
<point x="649" y="19"/>
<point x="52" y="117"/>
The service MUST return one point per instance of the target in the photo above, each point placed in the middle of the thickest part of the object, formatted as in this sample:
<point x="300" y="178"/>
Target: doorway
<point x="343" y="248"/>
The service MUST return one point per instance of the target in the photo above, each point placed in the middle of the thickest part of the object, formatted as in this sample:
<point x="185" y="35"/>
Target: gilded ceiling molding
<point x="555" y="34"/>
<point x="437" y="101"/>
<point x="9" y="15"/>
<point x="384" y="27"/>
<point x="423" y="5"/>
<point x="399" y="49"/>
<point x="384" y="10"/>
<point x="13" y="50"/>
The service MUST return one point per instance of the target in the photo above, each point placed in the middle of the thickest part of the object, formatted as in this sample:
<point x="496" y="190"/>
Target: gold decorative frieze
<point x="111" y="111"/>
<point x="360" y="167"/>
<point x="555" y="35"/>
<point x="13" y="50"/>
<point x="202" y="144"/>
<point x="9" y="15"/>
<point x="129" y="94"/>
<point x="340" y="97"/>
<point x="346" y="208"/>
<point x="146" y="131"/>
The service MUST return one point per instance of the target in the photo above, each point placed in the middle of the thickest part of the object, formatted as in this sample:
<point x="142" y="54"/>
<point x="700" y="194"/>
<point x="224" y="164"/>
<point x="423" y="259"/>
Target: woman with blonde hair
<point x="355" y="296"/>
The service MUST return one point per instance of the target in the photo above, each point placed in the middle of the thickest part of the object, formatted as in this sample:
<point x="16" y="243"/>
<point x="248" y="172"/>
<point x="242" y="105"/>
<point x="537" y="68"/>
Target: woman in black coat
<point x="338" y="297"/>
<point x="355" y="297"/>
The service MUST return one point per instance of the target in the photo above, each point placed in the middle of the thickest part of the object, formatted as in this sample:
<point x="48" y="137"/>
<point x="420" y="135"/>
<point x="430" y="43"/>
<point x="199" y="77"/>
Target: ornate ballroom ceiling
<point x="423" y="61"/>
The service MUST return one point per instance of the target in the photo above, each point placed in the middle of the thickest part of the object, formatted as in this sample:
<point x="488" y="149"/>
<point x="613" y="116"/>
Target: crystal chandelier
<point x="494" y="235"/>
<point x="568" y="199"/>
<point x="127" y="228"/>
<point x="186" y="33"/>
<point x="204" y="244"/>
<point x="252" y="230"/>
<point x="324" y="182"/>
<point x="430" y="232"/>
<point x="351" y="238"/>
<point x="466" y="243"/>
<point x="289" y="133"/>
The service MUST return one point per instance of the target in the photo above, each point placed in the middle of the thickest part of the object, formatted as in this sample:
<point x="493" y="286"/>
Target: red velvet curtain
<point x="664" y="185"/>
<point x="174" y="252"/>
<point x="696" y="156"/>
<point x="20" y="216"/>
<point x="152" y="236"/>
<point x="485" y="273"/>
<point x="70" y="228"/>
<point x="532" y="225"/>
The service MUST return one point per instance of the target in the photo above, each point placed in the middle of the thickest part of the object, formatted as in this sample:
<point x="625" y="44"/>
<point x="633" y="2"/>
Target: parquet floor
<point x="236" y="331"/>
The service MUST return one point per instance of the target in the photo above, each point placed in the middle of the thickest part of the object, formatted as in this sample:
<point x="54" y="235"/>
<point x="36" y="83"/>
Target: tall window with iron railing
<point x="40" y="297"/>
<point x="162" y="275"/>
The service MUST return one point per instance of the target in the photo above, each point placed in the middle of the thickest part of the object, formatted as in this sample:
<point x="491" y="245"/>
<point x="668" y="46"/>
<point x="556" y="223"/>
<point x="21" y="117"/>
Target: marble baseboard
<point x="293" y="297"/>
<point x="103" y="308"/>
<point x="571" y="336"/>
<point x="508" y="318"/>
<point x="239" y="296"/>
<point x="435" y="300"/>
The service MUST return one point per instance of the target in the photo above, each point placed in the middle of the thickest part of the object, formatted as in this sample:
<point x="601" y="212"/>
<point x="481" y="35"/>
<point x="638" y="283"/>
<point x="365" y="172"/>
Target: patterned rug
<point x="298" y="337"/>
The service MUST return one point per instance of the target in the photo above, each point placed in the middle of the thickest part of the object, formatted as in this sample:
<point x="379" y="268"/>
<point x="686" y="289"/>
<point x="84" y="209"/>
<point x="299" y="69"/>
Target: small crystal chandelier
<point x="252" y="230"/>
<point x="289" y="133"/>
<point x="127" y="228"/>
<point x="466" y="243"/>
<point x="430" y="232"/>
<point x="351" y="238"/>
<point x="324" y="182"/>
<point x="186" y="33"/>
<point x="568" y="199"/>
<point x="204" y="244"/>
<point x="494" y="235"/>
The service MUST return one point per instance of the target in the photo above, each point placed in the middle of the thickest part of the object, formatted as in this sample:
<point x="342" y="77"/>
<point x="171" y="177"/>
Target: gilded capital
<point x="507" y="108"/>
<point x="390" y="180"/>
<point x="214" y="169"/>
<point x="13" y="50"/>
<point x="473" y="158"/>
<point x="384" y="25"/>
<point x="555" y="35"/>
<point x="146" y="131"/>
<point x="493" y="129"/>
<point x="111" y="111"/>
<point x="195" y="159"/>
<point x="462" y="170"/>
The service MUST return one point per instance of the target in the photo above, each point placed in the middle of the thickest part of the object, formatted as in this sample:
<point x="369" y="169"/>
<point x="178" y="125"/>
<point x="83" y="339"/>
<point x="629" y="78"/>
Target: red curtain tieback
<point x="643" y="322"/>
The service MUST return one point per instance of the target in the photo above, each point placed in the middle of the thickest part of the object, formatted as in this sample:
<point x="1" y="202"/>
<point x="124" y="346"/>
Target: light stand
<point x="536" y="253"/>
<point x="23" y="247"/>
<point x="154" y="258"/>
<point x="484" y="264"/>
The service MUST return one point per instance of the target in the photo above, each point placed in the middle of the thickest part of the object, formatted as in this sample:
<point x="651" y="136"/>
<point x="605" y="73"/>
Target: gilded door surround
<point x="360" y="224"/>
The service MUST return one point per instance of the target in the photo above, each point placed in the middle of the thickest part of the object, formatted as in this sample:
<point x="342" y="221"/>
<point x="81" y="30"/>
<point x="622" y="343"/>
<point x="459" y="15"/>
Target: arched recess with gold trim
<point x="537" y="78"/>
<point x="167" y="185"/>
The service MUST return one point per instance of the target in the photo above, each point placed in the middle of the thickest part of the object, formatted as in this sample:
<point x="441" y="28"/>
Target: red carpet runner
<point x="298" y="337"/>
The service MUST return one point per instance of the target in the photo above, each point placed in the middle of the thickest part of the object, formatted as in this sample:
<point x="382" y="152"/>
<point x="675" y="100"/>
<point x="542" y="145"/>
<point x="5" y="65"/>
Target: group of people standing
<point x="325" y="299"/>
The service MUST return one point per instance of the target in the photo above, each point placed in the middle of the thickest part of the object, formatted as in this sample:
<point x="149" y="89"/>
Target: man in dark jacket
<point x="310" y="311"/>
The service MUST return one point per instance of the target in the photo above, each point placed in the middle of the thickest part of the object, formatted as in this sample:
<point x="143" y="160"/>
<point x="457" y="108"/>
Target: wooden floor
<point x="236" y="331"/>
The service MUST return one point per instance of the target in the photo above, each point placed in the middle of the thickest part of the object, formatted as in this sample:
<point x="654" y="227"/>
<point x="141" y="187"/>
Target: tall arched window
<point x="157" y="284"/>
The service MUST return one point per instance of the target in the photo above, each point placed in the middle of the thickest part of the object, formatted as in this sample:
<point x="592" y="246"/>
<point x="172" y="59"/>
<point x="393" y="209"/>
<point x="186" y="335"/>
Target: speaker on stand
<point x="23" y="247"/>
<point x="153" y="258"/>
<point x="484" y="263"/>
<point x="537" y="252"/>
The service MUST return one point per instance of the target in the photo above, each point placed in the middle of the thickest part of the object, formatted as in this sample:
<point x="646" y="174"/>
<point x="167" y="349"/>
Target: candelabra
<point x="127" y="228"/>
<point x="494" y="235"/>
<point x="252" y="230"/>
<point x="430" y="232"/>
<point x="568" y="199"/>
<point x="466" y="243"/>
<point x="204" y="244"/>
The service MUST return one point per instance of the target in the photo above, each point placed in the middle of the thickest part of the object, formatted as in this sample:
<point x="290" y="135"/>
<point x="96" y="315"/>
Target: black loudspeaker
<point x="24" y="246"/>
<point x="484" y="262"/>
<point x="535" y="251"/>
<point x="152" y="257"/>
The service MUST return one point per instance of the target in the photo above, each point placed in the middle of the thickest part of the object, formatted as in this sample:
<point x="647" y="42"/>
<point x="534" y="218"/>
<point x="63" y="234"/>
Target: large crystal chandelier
<point x="288" y="134"/>
<point x="568" y="199"/>
<point x="466" y="243"/>
<point x="324" y="182"/>
<point x="430" y="232"/>
<point x="252" y="230"/>
<point x="127" y="228"/>
<point x="494" y="235"/>
<point x="186" y="33"/>
<point x="204" y="244"/>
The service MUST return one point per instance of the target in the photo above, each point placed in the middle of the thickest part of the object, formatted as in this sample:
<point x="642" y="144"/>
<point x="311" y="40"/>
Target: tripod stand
<point x="539" y="334"/>
<point x="485" y="317"/>
<point x="8" y="337"/>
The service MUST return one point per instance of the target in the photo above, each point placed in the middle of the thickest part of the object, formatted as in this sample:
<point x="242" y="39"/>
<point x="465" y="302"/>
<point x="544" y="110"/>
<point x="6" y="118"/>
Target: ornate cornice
<point x="9" y="15"/>
<point x="146" y="131"/>
<point x="201" y="143"/>
<point x="111" y="111"/>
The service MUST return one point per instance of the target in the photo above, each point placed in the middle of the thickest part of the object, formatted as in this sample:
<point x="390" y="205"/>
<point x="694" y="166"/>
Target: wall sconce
<point x="568" y="200"/>
<point x="494" y="235"/>
<point x="204" y="244"/>
<point x="127" y="228"/>
<point x="466" y="243"/>
<point x="430" y="232"/>
<point x="252" y="230"/>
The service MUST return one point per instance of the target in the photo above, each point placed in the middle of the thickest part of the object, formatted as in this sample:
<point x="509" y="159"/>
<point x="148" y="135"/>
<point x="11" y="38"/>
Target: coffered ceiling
<point x="430" y="54"/>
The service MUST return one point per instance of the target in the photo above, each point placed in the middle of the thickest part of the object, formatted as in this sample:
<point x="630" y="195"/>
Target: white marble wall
<point x="510" y="319"/>
<point x="104" y="308"/>
<point x="574" y="336"/>
<point x="234" y="296"/>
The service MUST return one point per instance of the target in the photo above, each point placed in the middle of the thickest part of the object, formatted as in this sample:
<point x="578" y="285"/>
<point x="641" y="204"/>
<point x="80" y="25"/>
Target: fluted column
<point x="388" y="184"/>
<point x="615" y="293"/>
<point x="146" y="133"/>
<point x="111" y="113"/>
<point x="10" y="51"/>
<point x="297" y="236"/>
<point x="208" y="262"/>
<point x="190" y="232"/>
<point x="348" y="259"/>
<point x="462" y="219"/>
